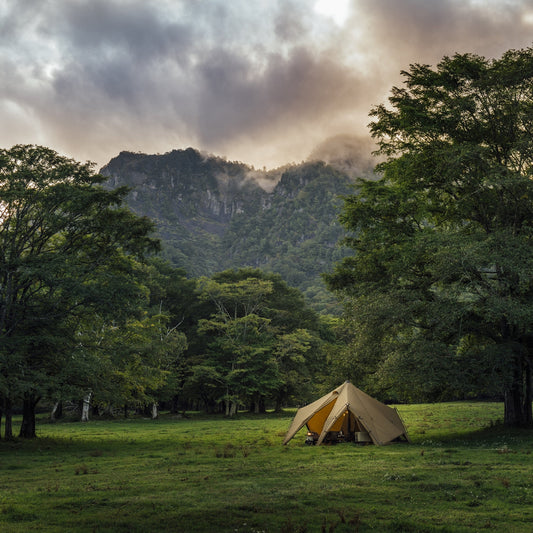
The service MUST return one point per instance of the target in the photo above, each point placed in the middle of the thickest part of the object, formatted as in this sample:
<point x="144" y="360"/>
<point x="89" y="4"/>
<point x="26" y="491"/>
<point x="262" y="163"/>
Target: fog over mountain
<point x="348" y="153"/>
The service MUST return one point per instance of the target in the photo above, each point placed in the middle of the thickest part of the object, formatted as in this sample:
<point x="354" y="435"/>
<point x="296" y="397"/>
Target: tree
<point x="439" y="292"/>
<point x="131" y="361"/>
<point x="241" y="338"/>
<point x="175" y="297"/>
<point x="297" y="357"/>
<point x="67" y="249"/>
<point x="260" y="336"/>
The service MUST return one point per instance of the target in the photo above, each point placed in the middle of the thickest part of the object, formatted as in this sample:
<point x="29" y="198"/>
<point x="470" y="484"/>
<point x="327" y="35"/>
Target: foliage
<point x="68" y="249"/>
<point x="241" y="338"/>
<point x="462" y="473"/>
<point x="262" y="341"/>
<point x="174" y="299"/>
<point x="439" y="293"/>
<point x="214" y="215"/>
<point x="131" y="362"/>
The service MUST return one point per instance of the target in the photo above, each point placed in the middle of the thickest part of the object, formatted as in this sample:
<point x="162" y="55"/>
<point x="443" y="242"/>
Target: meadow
<point x="462" y="472"/>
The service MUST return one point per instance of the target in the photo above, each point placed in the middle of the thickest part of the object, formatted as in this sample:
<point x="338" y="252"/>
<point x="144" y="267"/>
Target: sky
<point x="258" y="81"/>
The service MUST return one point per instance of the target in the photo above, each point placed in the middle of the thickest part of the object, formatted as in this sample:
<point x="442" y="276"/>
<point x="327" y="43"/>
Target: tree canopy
<point x="68" y="249"/>
<point x="439" y="291"/>
<point x="262" y="341"/>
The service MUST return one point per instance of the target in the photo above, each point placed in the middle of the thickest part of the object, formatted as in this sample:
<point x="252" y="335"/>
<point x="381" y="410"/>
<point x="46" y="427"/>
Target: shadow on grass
<point x="490" y="436"/>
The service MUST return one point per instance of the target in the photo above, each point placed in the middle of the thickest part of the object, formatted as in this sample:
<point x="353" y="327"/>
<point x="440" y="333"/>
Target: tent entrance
<point x="346" y="428"/>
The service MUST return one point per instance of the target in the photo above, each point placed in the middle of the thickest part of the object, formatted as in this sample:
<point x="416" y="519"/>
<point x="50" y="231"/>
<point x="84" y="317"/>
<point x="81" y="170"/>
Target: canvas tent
<point x="347" y="413"/>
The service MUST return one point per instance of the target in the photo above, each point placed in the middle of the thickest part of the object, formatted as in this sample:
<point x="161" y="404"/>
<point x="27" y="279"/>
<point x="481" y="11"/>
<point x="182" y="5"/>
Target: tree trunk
<point x="262" y="405"/>
<point x="85" y="408"/>
<point x="517" y="401"/>
<point x="279" y="405"/>
<point x="8" y="426"/>
<point x="57" y="411"/>
<point x="227" y="401"/>
<point x="27" y="428"/>
<point x="175" y="404"/>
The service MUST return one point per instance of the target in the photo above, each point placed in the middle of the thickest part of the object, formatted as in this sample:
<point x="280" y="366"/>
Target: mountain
<point x="213" y="214"/>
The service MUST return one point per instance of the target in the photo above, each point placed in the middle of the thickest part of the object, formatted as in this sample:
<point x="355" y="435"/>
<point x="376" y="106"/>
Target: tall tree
<point x="175" y="297"/>
<point x="439" y="292"/>
<point x="67" y="248"/>
<point x="241" y="338"/>
<point x="261" y="337"/>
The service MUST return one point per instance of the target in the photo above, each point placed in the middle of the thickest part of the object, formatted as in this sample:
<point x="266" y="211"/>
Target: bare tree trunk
<point x="57" y="411"/>
<point x="85" y="408"/>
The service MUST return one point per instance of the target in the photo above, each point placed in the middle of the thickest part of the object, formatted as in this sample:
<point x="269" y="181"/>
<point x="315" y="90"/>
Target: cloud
<point x="263" y="82"/>
<point x="425" y="30"/>
<point x="237" y="97"/>
<point x="98" y="30"/>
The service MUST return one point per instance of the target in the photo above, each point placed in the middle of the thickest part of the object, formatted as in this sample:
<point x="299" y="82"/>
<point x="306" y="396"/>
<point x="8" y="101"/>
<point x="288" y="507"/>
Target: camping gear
<point x="348" y="414"/>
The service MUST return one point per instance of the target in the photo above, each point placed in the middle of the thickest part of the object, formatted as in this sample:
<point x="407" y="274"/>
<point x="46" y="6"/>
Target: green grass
<point x="462" y="472"/>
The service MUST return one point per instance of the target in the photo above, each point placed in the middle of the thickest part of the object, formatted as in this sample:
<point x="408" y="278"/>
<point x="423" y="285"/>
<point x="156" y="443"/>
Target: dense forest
<point x="92" y="317"/>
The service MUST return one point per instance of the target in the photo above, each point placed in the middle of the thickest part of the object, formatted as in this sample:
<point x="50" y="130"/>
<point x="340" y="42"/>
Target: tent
<point x="348" y="414"/>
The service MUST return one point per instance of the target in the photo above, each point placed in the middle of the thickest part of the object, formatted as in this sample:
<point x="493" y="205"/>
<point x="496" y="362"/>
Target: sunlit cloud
<point x="263" y="82"/>
<point x="337" y="10"/>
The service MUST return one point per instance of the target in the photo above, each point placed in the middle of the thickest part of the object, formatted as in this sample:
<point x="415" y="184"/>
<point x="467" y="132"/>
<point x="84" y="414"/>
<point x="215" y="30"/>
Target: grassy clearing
<point x="461" y="473"/>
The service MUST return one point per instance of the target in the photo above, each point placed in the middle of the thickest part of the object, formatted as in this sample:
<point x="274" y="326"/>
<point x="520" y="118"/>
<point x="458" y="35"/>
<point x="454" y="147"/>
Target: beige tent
<point x="348" y="414"/>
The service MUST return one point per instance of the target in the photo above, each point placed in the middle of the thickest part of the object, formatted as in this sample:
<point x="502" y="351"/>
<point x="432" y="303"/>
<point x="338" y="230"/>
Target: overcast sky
<point x="259" y="81"/>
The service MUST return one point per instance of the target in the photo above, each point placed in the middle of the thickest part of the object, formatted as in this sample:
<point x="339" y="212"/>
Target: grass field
<point x="462" y="472"/>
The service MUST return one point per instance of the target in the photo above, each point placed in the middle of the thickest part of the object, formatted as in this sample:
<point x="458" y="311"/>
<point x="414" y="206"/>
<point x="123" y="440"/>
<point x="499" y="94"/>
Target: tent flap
<point x="304" y="414"/>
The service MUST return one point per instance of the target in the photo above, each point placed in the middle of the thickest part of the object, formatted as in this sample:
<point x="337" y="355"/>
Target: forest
<point x="435" y="279"/>
<point x="92" y="317"/>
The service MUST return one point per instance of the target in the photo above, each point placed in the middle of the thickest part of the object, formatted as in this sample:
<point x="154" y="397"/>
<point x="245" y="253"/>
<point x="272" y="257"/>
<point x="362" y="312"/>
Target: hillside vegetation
<point x="213" y="214"/>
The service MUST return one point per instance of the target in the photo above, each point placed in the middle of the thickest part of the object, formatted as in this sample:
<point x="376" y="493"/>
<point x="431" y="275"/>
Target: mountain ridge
<point x="213" y="214"/>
